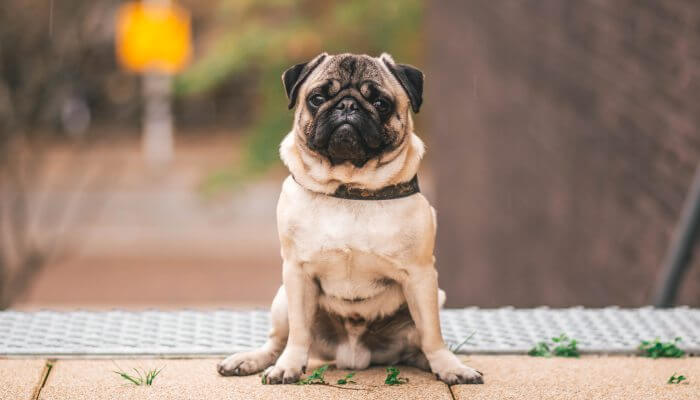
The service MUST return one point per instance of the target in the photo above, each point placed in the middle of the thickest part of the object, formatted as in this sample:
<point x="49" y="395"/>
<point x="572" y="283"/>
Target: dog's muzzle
<point x="346" y="144"/>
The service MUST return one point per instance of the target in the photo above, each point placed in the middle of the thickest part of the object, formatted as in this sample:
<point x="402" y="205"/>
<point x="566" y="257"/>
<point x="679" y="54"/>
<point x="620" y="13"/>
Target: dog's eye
<point x="317" y="100"/>
<point x="381" y="105"/>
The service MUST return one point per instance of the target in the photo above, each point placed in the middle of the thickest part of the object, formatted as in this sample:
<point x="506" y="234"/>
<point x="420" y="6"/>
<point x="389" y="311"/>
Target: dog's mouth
<point x="346" y="143"/>
<point x="353" y="137"/>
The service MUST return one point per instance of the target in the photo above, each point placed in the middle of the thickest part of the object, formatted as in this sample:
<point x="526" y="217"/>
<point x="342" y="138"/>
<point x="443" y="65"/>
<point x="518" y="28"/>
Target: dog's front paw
<point x="288" y="369"/>
<point x="278" y="374"/>
<point x="246" y="363"/>
<point x="460" y="375"/>
<point x="450" y="370"/>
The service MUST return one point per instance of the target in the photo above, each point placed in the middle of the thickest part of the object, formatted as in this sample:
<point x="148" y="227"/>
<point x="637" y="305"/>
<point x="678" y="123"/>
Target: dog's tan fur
<point x="335" y="250"/>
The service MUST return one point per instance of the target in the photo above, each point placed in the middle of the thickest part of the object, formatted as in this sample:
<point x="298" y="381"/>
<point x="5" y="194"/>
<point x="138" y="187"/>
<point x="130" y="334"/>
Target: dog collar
<point x="397" y="191"/>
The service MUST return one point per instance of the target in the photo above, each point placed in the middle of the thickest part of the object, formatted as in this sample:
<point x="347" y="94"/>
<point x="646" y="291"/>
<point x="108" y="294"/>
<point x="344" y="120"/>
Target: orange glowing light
<point x="153" y="36"/>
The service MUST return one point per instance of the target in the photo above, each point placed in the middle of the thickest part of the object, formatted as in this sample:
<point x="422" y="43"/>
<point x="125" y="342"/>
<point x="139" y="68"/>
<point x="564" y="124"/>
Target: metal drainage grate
<point x="607" y="330"/>
<point x="218" y="332"/>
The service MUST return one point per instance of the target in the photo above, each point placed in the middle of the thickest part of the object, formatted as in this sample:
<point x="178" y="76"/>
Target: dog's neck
<point x="316" y="173"/>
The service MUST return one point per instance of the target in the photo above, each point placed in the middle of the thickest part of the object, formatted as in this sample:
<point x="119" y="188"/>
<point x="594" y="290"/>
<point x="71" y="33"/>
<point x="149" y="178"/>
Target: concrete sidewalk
<point x="507" y="377"/>
<point x="21" y="379"/>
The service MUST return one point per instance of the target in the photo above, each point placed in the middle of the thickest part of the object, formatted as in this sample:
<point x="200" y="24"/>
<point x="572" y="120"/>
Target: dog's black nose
<point x="347" y="104"/>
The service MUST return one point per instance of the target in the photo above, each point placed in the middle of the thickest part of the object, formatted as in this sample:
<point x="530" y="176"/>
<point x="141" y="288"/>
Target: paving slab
<point x="20" y="379"/>
<point x="198" y="379"/>
<point x="523" y="377"/>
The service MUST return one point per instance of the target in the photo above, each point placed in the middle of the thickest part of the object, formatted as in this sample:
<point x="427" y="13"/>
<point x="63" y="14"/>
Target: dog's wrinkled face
<point x="352" y="108"/>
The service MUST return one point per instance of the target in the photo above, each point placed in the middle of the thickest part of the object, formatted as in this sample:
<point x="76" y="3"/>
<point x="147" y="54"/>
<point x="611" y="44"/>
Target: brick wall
<point x="564" y="136"/>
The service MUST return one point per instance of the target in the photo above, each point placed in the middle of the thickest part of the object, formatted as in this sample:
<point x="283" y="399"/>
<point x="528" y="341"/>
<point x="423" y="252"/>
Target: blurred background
<point x="562" y="142"/>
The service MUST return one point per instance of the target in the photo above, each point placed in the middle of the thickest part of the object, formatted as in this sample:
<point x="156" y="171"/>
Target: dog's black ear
<point x="410" y="78"/>
<point x="293" y="77"/>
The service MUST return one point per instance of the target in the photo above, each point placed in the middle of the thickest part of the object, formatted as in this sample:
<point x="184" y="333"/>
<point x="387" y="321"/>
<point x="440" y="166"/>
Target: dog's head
<point x="352" y="108"/>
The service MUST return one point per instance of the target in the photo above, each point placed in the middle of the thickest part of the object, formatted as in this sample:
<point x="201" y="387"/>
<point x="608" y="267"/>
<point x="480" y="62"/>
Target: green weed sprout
<point x="392" y="377"/>
<point x="346" y="379"/>
<point x="561" y="346"/>
<point x="658" y="349"/>
<point x="676" y="379"/>
<point x="541" y="349"/>
<point x="454" y="347"/>
<point x="316" y="377"/>
<point x="142" y="377"/>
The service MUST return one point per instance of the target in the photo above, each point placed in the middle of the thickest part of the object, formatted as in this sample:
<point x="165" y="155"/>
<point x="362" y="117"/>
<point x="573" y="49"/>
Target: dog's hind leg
<point x="250" y="362"/>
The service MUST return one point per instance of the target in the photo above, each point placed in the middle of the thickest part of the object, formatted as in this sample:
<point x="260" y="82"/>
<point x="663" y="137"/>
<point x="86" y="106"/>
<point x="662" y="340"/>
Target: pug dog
<point x="357" y="237"/>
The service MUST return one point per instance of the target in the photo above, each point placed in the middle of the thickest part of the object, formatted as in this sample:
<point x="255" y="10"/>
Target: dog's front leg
<point x="302" y="300"/>
<point x="420" y="288"/>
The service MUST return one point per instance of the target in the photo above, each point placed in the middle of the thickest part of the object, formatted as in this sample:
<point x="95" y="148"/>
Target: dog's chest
<point x="350" y="251"/>
<point x="353" y="247"/>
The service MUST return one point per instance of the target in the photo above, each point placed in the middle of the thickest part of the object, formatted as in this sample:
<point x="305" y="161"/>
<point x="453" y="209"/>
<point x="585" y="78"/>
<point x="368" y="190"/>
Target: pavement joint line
<point x="44" y="377"/>
<point x="451" y="392"/>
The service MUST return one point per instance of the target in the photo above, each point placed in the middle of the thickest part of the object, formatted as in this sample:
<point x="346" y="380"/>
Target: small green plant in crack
<point x="677" y="379"/>
<point x="316" y="377"/>
<point x="393" y="378"/>
<point x="142" y="377"/>
<point x="658" y="349"/>
<point x="454" y="347"/>
<point x="561" y="346"/>
<point x="346" y="379"/>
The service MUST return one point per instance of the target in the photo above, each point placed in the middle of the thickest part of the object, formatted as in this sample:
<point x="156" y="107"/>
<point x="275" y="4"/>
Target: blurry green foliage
<point x="658" y="349"/>
<point x="260" y="39"/>
<point x="561" y="346"/>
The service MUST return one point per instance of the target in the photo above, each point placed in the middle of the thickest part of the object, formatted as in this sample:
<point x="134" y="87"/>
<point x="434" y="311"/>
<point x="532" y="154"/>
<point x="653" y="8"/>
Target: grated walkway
<point x="218" y="332"/>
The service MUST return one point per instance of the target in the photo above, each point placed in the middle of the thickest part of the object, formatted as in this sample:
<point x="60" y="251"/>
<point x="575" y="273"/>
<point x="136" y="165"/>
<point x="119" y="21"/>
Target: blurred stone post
<point x="153" y="38"/>
<point x="157" y="137"/>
